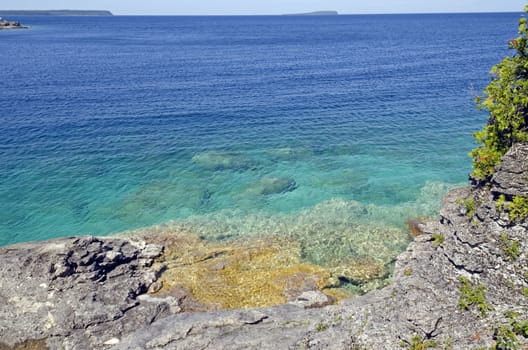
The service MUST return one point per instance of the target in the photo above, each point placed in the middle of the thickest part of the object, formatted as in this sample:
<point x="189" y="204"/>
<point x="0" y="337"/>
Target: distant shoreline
<point x="55" y="13"/>
<point x="7" y="13"/>
<point x="315" y="13"/>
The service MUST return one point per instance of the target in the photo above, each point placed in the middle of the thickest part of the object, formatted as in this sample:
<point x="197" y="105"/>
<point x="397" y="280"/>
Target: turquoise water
<point x="333" y="130"/>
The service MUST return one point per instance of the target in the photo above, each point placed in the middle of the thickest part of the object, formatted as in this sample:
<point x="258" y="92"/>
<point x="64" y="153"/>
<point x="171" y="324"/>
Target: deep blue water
<point x="238" y="125"/>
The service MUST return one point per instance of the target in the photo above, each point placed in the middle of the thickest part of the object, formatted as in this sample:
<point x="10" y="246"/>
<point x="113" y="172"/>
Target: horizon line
<point x="278" y="14"/>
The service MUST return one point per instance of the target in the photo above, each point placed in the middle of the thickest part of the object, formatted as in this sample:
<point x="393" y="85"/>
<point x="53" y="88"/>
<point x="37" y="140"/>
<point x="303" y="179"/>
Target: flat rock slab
<point x="76" y="292"/>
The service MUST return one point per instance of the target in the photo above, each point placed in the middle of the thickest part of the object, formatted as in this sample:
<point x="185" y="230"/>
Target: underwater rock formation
<point x="242" y="273"/>
<point x="223" y="161"/>
<point x="273" y="185"/>
<point x="288" y="153"/>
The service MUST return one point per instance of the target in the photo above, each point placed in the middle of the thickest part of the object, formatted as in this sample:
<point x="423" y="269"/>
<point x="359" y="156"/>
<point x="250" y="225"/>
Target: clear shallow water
<point x="333" y="130"/>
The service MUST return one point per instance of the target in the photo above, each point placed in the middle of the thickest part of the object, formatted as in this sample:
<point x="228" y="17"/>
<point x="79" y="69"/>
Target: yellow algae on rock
<point x="415" y="226"/>
<point x="237" y="274"/>
<point x="37" y="344"/>
<point x="230" y="259"/>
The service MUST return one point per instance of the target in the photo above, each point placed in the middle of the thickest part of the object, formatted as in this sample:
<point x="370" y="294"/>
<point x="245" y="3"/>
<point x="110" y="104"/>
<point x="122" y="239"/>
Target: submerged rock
<point x="288" y="153"/>
<point x="158" y="199"/>
<point x="273" y="185"/>
<point x="243" y="273"/>
<point x="223" y="161"/>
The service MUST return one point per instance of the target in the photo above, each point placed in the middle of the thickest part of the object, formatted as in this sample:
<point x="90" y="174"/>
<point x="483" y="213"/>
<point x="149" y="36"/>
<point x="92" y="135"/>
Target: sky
<point x="262" y="7"/>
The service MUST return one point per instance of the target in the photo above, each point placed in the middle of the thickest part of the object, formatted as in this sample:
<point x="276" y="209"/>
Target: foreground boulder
<point x="76" y="293"/>
<point x="462" y="284"/>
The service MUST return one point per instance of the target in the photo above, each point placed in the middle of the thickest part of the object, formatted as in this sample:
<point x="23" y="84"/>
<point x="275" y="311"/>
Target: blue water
<point x="226" y="126"/>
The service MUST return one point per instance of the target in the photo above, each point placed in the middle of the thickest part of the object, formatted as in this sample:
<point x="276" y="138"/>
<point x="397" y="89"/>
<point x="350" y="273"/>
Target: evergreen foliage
<point x="506" y="100"/>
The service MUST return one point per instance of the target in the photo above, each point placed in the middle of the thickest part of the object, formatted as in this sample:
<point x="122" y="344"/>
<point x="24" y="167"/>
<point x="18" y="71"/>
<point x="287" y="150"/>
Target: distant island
<point x="55" y="13"/>
<point x="315" y="13"/>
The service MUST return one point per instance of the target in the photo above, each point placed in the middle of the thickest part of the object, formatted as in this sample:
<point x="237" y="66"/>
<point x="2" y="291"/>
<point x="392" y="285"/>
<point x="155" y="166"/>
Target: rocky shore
<point x="10" y="25"/>
<point x="8" y="13"/>
<point x="462" y="284"/>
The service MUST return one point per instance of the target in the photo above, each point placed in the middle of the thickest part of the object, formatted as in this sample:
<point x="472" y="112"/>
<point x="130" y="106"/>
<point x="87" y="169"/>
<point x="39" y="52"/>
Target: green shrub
<point x="506" y="100"/>
<point x="469" y="205"/>
<point x="418" y="343"/>
<point x="505" y="339"/>
<point x="505" y="336"/>
<point x="519" y="208"/>
<point x="510" y="248"/>
<point x="470" y="295"/>
<point x="520" y="327"/>
<point x="500" y="202"/>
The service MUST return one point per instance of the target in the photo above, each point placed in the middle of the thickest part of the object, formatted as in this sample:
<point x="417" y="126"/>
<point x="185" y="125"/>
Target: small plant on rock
<point x="321" y="327"/>
<point x="519" y="208"/>
<point x="505" y="336"/>
<point x="417" y="343"/>
<point x="438" y="239"/>
<point x="469" y="205"/>
<point x="510" y="248"/>
<point x="500" y="203"/>
<point x="448" y="344"/>
<point x="505" y="339"/>
<point x="473" y="295"/>
<point x="519" y="327"/>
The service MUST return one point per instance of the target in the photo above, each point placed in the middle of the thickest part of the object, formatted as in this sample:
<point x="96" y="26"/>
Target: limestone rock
<point x="359" y="271"/>
<point x="267" y="329"/>
<point x="77" y="292"/>
<point x="312" y="299"/>
<point x="511" y="176"/>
